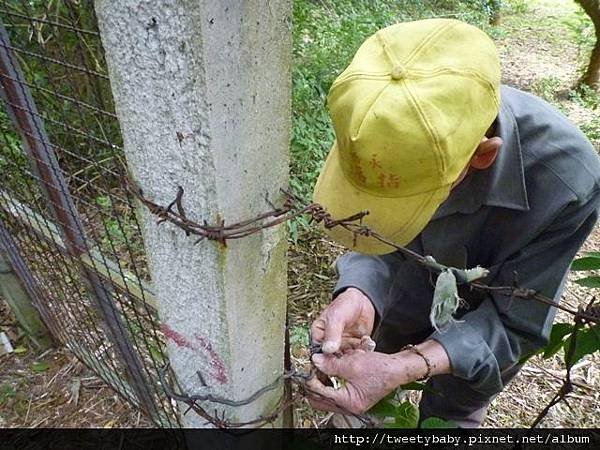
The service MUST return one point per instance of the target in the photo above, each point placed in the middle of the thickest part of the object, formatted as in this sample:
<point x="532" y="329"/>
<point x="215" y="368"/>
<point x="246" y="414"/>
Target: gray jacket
<point x="529" y="213"/>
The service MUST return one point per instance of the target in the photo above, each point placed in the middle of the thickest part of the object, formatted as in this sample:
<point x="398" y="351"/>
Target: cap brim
<point x="398" y="219"/>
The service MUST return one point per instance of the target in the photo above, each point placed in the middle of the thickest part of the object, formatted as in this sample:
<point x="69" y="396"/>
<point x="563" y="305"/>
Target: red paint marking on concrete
<point x="176" y="337"/>
<point x="216" y="363"/>
<point x="219" y="371"/>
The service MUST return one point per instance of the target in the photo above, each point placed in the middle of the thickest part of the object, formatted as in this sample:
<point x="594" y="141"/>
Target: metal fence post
<point x="22" y="111"/>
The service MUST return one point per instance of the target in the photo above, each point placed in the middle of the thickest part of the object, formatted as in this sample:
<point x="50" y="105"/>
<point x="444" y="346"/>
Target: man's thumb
<point x="333" y="336"/>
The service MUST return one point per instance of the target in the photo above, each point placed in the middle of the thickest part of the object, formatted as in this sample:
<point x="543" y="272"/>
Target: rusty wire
<point x="567" y="386"/>
<point x="297" y="377"/>
<point x="293" y="207"/>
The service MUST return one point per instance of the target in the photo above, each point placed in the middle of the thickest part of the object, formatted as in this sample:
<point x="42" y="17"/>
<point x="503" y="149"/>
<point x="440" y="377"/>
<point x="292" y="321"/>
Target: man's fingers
<point x="323" y="405"/>
<point x="323" y="397"/>
<point x="349" y="339"/>
<point x="334" y="328"/>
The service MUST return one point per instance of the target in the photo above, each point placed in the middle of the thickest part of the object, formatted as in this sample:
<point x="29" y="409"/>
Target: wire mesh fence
<point x="65" y="217"/>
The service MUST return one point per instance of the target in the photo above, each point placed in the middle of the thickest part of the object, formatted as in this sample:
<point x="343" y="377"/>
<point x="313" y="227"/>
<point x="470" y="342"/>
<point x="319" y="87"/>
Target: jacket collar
<point x="503" y="184"/>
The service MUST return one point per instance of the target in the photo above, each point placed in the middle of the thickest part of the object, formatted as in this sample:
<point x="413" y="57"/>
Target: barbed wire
<point x="293" y="207"/>
<point x="298" y="378"/>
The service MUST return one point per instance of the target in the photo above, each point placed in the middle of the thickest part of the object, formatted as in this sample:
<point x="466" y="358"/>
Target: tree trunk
<point x="592" y="74"/>
<point x="494" y="7"/>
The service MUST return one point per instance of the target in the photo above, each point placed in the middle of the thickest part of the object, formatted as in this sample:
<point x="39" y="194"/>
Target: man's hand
<point x="369" y="376"/>
<point x="344" y="322"/>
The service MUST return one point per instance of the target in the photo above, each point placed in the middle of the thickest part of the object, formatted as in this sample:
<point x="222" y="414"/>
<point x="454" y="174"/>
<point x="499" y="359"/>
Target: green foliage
<point x="299" y="336"/>
<point x="516" y="6"/>
<point x="563" y="337"/>
<point x="116" y="231"/>
<point x="13" y="161"/>
<point x="40" y="366"/>
<point x="586" y="343"/>
<point x="7" y="392"/>
<point x="436" y="422"/>
<point x="590" y="282"/>
<point x="586" y="97"/>
<point x="582" y="32"/>
<point x="592" y="131"/>
<point x="589" y="262"/>
<point x="557" y="338"/>
<point x="78" y="132"/>
<point x="404" y="414"/>
<point x="386" y="407"/>
<point x="547" y="88"/>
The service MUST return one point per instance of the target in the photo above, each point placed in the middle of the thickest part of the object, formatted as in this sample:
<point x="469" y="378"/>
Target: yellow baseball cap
<point x="408" y="113"/>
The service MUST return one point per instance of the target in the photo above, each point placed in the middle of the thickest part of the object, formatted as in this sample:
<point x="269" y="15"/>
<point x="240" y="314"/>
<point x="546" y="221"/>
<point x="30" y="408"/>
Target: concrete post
<point x="202" y="91"/>
<point x="21" y="304"/>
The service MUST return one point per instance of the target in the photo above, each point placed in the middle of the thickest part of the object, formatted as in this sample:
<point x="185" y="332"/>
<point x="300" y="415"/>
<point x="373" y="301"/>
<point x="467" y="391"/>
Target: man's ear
<point x="486" y="153"/>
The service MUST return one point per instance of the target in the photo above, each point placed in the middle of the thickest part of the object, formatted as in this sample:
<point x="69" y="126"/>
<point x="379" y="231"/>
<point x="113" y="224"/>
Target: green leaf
<point x="590" y="282"/>
<point x="406" y="416"/>
<point x="557" y="341"/>
<point x="383" y="408"/>
<point x="586" y="263"/>
<point x="445" y="300"/>
<point x="588" y="341"/>
<point x="103" y="201"/>
<point x="41" y="366"/>
<point x="525" y="357"/>
<point x="299" y="336"/>
<point x="20" y="349"/>
<point x="436" y="422"/>
<point x="6" y="392"/>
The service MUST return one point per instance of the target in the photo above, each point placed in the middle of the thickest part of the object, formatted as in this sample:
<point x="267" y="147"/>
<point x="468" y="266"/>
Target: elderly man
<point x="449" y="164"/>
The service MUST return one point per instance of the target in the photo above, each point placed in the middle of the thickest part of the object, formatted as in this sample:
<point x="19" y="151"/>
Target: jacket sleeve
<point x="373" y="275"/>
<point x="494" y="337"/>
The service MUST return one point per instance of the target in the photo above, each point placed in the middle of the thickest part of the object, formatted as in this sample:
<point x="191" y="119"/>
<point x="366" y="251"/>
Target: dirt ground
<point x="537" y="50"/>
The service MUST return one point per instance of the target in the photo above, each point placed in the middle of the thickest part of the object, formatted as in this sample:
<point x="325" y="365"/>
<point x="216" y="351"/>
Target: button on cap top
<point x="397" y="73"/>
